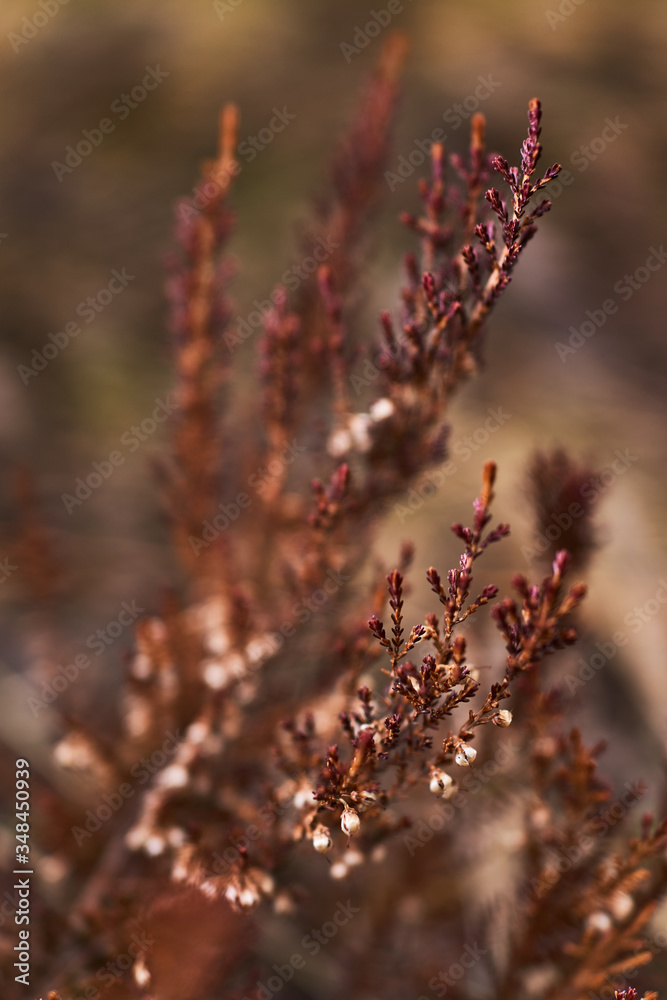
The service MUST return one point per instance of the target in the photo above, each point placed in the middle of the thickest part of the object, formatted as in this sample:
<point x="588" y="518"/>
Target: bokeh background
<point x="62" y="238"/>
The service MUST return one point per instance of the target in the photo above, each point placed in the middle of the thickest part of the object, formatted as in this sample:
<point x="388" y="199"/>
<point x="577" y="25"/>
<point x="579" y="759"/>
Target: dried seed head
<point x="322" y="840"/>
<point x="465" y="755"/>
<point x="350" y="822"/>
<point x="503" y="718"/>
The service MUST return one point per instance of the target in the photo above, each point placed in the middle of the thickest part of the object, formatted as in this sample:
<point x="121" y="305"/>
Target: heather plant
<point x="292" y="753"/>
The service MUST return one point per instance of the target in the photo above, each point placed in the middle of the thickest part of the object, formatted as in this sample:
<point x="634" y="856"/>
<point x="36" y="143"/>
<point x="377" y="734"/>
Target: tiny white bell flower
<point x="441" y="784"/>
<point x="215" y="675"/>
<point x="283" y="904"/>
<point x="359" y="427"/>
<point x="379" y="853"/>
<point x="141" y="974"/>
<point x="142" y="667"/>
<point x="503" y="718"/>
<point x="303" y="796"/>
<point x="599" y="921"/>
<point x="155" y="845"/>
<point x="249" y="897"/>
<point x="231" y="892"/>
<point x="381" y="409"/>
<point x="350" y="822"/>
<point x="137" y="837"/>
<point x="622" y="905"/>
<point x="322" y="840"/>
<point x="174" y="776"/>
<point x="179" y="872"/>
<point x="339" y="442"/>
<point x="367" y="800"/>
<point x="352" y="858"/>
<point x="264" y="882"/>
<point x="465" y="755"/>
<point x="436" y="784"/>
<point x="210" y="890"/>
<point x="176" y="836"/>
<point x="339" y="870"/>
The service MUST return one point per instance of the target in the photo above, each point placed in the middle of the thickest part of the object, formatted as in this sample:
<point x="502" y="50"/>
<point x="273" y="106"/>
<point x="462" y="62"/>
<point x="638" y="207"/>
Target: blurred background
<point x="600" y="72"/>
